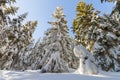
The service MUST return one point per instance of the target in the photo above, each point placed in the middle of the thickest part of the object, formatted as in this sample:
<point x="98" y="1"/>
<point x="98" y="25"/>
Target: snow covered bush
<point x="86" y="61"/>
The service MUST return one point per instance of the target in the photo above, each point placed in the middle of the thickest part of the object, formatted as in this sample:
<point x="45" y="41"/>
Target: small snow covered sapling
<point x="86" y="61"/>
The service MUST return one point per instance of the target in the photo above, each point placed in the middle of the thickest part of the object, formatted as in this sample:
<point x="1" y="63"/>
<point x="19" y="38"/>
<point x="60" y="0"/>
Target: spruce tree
<point x="5" y="32"/>
<point x="100" y="35"/>
<point x="14" y="36"/>
<point x="107" y="46"/>
<point x="84" y="24"/>
<point x="54" y="53"/>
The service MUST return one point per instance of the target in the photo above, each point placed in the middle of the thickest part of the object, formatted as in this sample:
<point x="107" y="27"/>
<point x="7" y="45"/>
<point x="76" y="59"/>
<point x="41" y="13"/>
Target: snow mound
<point x="86" y="61"/>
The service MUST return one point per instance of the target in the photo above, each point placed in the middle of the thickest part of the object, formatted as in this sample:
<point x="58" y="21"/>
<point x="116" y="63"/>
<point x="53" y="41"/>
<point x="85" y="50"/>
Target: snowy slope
<point x="35" y="75"/>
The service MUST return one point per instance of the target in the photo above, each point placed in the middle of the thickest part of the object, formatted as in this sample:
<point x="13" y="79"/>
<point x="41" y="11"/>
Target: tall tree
<point x="84" y="24"/>
<point x="99" y="34"/>
<point x="14" y="36"/>
<point x="54" y="53"/>
<point x="106" y="48"/>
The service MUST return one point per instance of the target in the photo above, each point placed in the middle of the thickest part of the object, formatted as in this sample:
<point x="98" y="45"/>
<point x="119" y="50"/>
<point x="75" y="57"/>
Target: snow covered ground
<point x="35" y="75"/>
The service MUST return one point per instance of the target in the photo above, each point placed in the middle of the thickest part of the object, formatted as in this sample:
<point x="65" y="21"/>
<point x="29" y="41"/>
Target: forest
<point x="96" y="39"/>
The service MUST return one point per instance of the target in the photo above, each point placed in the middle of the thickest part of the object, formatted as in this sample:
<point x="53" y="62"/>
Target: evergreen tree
<point x="54" y="53"/>
<point x="24" y="44"/>
<point x="85" y="24"/>
<point x="99" y="34"/>
<point x="5" y="32"/>
<point x="14" y="36"/>
<point x="106" y="48"/>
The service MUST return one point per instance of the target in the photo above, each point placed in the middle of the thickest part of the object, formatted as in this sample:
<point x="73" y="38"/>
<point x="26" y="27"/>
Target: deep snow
<point x="35" y="75"/>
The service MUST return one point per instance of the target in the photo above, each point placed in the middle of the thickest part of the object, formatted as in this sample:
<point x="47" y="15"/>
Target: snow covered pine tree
<point x="6" y="33"/>
<point x="106" y="49"/>
<point x="14" y="36"/>
<point x="54" y="53"/>
<point x="100" y="35"/>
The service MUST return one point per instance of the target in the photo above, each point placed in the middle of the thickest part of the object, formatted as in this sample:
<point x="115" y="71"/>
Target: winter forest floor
<point x="35" y="75"/>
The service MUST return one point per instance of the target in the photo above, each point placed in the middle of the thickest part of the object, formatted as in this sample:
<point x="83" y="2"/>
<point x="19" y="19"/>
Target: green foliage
<point x="84" y="23"/>
<point x="29" y="25"/>
<point x="10" y="10"/>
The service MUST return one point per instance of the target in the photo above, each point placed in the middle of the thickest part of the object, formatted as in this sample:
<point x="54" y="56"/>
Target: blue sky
<point x="41" y="10"/>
